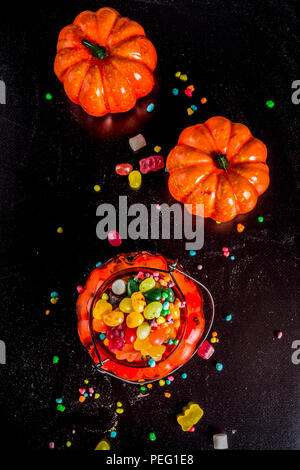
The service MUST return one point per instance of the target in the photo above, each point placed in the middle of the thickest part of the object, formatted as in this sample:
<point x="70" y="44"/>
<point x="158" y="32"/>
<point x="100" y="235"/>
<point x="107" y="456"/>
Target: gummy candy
<point x="123" y="169"/>
<point x="114" y="238"/>
<point x="190" y="416"/>
<point x="103" y="445"/>
<point x="152" y="163"/>
<point x="126" y="305"/>
<point x="153" y="294"/>
<point x="147" y="349"/>
<point x="206" y="350"/>
<point x="137" y="142"/>
<point x="101" y="308"/>
<point x="130" y="335"/>
<point x="135" y="179"/>
<point x="114" y="318"/>
<point x="132" y="286"/>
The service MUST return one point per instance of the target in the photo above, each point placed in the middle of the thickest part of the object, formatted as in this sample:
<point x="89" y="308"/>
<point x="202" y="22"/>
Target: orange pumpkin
<point x="218" y="164"/>
<point x="105" y="62"/>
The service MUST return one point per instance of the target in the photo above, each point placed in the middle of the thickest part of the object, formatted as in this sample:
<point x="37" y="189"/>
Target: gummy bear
<point x="152" y="163"/>
<point x="146" y="349"/>
<point x="190" y="415"/>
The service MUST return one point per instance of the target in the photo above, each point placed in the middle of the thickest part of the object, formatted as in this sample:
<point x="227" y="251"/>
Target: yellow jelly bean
<point x="143" y="330"/>
<point x="147" y="284"/>
<point x="114" y="318"/>
<point x="101" y="308"/>
<point x="190" y="416"/>
<point x="138" y="301"/>
<point x="126" y="305"/>
<point x="135" y="179"/>
<point x="103" y="445"/>
<point x="152" y="310"/>
<point x="134" y="320"/>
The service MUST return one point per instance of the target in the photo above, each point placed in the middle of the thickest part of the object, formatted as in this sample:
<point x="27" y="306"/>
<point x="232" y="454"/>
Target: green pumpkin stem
<point x="221" y="161"/>
<point x="97" y="51"/>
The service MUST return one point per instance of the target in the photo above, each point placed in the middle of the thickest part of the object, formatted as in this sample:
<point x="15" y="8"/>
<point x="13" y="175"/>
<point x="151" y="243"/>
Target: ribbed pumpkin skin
<point x="195" y="177"/>
<point x="111" y="84"/>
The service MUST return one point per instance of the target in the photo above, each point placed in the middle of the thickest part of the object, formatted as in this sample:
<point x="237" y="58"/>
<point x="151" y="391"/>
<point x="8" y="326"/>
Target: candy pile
<point x="138" y="318"/>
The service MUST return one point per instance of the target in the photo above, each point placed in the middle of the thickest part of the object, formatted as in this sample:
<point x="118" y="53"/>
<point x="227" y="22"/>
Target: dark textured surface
<point x="238" y="54"/>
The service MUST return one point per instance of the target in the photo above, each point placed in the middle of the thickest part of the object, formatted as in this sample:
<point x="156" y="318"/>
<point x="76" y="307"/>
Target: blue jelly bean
<point x="228" y="317"/>
<point x="150" y="108"/>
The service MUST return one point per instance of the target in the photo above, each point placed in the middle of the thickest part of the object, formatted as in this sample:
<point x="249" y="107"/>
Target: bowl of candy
<point x="141" y="316"/>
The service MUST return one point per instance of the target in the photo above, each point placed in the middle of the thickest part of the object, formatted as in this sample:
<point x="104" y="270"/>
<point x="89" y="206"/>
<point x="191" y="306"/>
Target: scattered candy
<point x="59" y="230"/>
<point x="79" y="289"/>
<point x="51" y="445"/>
<point x="270" y="104"/>
<point x="206" y="350"/>
<point x="240" y="228"/>
<point x="190" y="111"/>
<point x="228" y="317"/>
<point x="183" y="77"/>
<point x="103" y="445"/>
<point x="150" y="108"/>
<point x="190" y="416"/>
<point x="138" y="142"/>
<point x="203" y="100"/>
<point x="97" y="188"/>
<point x="135" y="179"/>
<point x="123" y="169"/>
<point x="113" y="434"/>
<point x="48" y="96"/>
<point x="199" y="267"/>
<point x="175" y="91"/>
<point x="162" y="382"/>
<point x="177" y="74"/>
<point x="279" y="334"/>
<point x="114" y="238"/>
<point x="68" y="444"/>
<point x="220" y="441"/>
<point x="192" y="429"/>
<point x="152" y="163"/>
<point x="55" y="359"/>
<point x="157" y="148"/>
<point x="167" y="394"/>
<point x="193" y="252"/>
<point x="152" y="436"/>
<point x="260" y="219"/>
<point x="194" y="107"/>
<point x="219" y="366"/>
<point x="184" y="375"/>
<point x="47" y="312"/>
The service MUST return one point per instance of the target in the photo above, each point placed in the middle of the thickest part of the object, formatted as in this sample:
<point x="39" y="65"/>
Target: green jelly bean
<point x="152" y="310"/>
<point x="132" y="286"/>
<point x="153" y="294"/>
<point x="170" y="293"/>
<point x="147" y="284"/>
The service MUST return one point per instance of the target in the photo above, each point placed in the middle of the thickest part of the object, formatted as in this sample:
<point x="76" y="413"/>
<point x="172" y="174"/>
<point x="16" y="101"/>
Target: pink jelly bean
<point x="206" y="350"/>
<point x="114" y="238"/>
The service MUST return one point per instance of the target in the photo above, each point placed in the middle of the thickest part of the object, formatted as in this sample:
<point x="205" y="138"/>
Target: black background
<point x="236" y="53"/>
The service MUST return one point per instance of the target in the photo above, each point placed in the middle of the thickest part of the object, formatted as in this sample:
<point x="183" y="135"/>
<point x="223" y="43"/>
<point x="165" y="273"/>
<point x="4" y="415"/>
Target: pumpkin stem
<point x="97" y="51"/>
<point x="221" y="161"/>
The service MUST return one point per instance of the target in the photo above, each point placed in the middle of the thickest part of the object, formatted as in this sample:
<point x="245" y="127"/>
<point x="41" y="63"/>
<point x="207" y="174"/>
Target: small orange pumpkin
<point x="218" y="164"/>
<point x="105" y="62"/>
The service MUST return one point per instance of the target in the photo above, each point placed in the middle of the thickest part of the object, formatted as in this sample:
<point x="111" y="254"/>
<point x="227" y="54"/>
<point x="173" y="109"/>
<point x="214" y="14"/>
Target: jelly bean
<point x="138" y="301"/>
<point x="153" y="163"/>
<point x="170" y="294"/>
<point x="153" y="294"/>
<point x="143" y="330"/>
<point x="132" y="286"/>
<point x="114" y="318"/>
<point x="123" y="169"/>
<point x="101" y="308"/>
<point x="152" y="310"/>
<point x="134" y="320"/>
<point x="114" y="238"/>
<point x="161" y="320"/>
<point x="147" y="284"/>
<point x="166" y="305"/>
<point x="130" y="335"/>
<point x="135" y="179"/>
<point x="157" y="337"/>
<point x="118" y="287"/>
<point x="126" y="305"/>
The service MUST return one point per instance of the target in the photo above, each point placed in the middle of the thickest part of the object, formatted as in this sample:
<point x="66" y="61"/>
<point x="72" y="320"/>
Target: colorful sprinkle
<point x="48" y="96"/>
<point x="150" y="108"/>
<point x="228" y="317"/>
<point x="55" y="359"/>
<point x="193" y="252"/>
<point x="97" y="188"/>
<point x="184" y="375"/>
<point x="203" y="100"/>
<point x="219" y="366"/>
<point x="113" y="434"/>
<point x="240" y="228"/>
<point x="270" y="104"/>
<point x="152" y="436"/>
<point x="175" y="91"/>
<point x="260" y="219"/>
